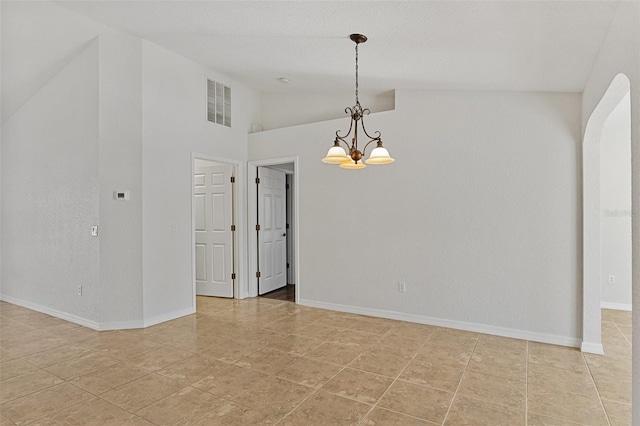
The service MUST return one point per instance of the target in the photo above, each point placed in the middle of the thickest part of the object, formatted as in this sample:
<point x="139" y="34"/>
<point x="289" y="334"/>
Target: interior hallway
<point x="266" y="361"/>
<point x="287" y="293"/>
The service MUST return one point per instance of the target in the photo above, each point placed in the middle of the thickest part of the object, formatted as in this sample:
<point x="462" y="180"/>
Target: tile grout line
<point x="376" y="403"/>
<point x="455" y="394"/>
<point x="250" y="322"/>
<point x="526" y="387"/>
<point x="315" y="390"/>
<point x="141" y="408"/>
<point x="595" y="386"/>
<point x="44" y="370"/>
<point x="396" y="412"/>
<point x="621" y="332"/>
<point x="180" y="388"/>
<point x="396" y="378"/>
<point x="35" y="391"/>
<point x="56" y="411"/>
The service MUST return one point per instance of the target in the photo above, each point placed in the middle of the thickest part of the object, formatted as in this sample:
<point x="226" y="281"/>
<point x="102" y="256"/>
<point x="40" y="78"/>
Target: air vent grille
<point x="218" y="103"/>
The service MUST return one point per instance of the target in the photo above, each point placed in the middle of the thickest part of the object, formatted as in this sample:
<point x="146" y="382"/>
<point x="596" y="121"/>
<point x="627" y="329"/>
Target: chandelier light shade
<point x="336" y="155"/>
<point x="353" y="160"/>
<point x="380" y="155"/>
<point x="352" y="165"/>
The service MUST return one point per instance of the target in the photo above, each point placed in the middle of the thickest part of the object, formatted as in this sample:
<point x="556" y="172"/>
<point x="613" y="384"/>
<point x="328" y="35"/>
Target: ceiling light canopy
<point x="353" y="161"/>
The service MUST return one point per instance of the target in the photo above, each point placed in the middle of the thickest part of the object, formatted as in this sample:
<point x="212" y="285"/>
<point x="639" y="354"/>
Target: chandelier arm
<point x="341" y="139"/>
<point x="377" y="133"/>
<point x="348" y="132"/>
<point x="364" y="150"/>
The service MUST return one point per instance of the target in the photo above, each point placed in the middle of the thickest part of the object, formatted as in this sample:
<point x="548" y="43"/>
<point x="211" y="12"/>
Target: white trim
<point x="120" y="325"/>
<point x="616" y="306"/>
<point x="241" y="286"/>
<point x="50" y="311"/>
<point x="285" y="171"/>
<point x="592" y="348"/>
<point x="116" y="325"/>
<point x="169" y="316"/>
<point x="252" y="218"/>
<point x="441" y="322"/>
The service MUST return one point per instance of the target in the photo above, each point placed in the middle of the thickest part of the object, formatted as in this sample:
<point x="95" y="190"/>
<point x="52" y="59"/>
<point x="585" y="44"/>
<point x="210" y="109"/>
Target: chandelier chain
<point x="357" y="101"/>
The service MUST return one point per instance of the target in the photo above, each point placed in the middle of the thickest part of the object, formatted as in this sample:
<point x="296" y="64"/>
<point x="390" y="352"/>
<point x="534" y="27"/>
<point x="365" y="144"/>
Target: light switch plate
<point x="94" y="230"/>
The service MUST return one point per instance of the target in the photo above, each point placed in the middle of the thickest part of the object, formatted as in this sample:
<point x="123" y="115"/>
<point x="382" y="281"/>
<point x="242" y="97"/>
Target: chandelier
<point x="353" y="161"/>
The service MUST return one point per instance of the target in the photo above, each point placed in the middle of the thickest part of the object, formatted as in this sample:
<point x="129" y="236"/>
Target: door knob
<point x="284" y="235"/>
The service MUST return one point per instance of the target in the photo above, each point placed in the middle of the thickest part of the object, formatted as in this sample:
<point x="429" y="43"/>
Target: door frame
<point x="291" y="231"/>
<point x="252" y="217"/>
<point x="239" y="208"/>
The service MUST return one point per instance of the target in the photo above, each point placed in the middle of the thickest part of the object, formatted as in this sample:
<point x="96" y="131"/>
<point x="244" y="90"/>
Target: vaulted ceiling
<point x="475" y="45"/>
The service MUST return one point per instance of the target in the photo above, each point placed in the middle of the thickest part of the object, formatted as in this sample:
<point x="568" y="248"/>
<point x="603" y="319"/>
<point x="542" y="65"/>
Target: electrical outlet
<point x="174" y="229"/>
<point x="612" y="279"/>
<point x="79" y="290"/>
<point x="402" y="287"/>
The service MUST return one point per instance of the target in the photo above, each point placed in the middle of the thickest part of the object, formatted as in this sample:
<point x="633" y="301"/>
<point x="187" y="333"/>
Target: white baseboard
<point x="50" y="311"/>
<point x="592" y="348"/>
<point x="103" y="326"/>
<point x="616" y="306"/>
<point x="440" y="322"/>
<point x="170" y="316"/>
<point x="123" y="325"/>
<point x="120" y="325"/>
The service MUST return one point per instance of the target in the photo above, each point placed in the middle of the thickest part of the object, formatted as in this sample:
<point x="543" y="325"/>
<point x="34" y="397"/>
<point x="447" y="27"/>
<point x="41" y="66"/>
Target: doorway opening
<point x="273" y="247"/>
<point x="603" y="146"/>
<point x="615" y="205"/>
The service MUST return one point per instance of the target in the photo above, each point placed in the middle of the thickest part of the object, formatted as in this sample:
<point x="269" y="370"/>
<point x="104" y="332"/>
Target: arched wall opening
<point x="615" y="210"/>
<point x="592" y="212"/>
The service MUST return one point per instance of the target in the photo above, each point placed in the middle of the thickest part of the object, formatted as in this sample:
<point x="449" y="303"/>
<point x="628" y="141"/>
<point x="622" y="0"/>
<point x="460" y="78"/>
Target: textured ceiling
<point x="507" y="45"/>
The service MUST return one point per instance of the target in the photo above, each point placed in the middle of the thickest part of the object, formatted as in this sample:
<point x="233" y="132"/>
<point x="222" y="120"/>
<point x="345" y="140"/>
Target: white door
<point x="272" y="212"/>
<point x="213" y="204"/>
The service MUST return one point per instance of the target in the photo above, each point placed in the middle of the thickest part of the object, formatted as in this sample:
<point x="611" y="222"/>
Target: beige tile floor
<point x="264" y="361"/>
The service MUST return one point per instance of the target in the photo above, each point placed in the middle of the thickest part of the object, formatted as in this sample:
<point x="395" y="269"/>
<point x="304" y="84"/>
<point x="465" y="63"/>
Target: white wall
<point x="2" y="52"/>
<point x="39" y="38"/>
<point x="120" y="170"/>
<point x="136" y="128"/>
<point x="289" y="109"/>
<point x="49" y="194"/>
<point x="620" y="53"/>
<point x="479" y="214"/>
<point x="615" y="205"/>
<point x="174" y="125"/>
